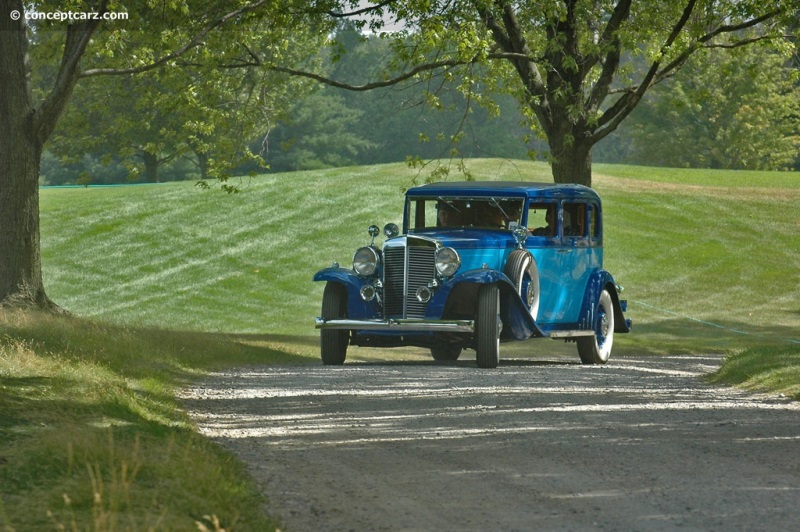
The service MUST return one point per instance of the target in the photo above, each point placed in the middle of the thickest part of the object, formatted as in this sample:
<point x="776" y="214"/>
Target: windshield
<point x="459" y="213"/>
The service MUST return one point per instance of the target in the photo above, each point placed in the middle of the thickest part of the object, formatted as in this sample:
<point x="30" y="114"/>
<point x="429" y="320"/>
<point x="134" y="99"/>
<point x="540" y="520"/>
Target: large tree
<point x="154" y="35"/>
<point x="566" y="61"/>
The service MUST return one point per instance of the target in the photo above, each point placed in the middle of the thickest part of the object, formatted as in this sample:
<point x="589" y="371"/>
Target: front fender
<point x="517" y="320"/>
<point x="598" y="281"/>
<point x="357" y="308"/>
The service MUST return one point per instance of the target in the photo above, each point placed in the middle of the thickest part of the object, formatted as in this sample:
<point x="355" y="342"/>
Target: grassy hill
<point x="710" y="259"/>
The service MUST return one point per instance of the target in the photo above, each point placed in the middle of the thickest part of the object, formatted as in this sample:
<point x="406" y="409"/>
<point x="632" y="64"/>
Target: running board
<point x="571" y="334"/>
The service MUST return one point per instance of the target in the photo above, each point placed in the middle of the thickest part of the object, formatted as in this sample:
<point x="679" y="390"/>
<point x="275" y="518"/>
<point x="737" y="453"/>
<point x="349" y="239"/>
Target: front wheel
<point x="333" y="342"/>
<point x="596" y="349"/>
<point x="487" y="327"/>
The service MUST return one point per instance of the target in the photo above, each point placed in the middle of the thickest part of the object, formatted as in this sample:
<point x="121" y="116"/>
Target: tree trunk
<point x="21" y="282"/>
<point x="150" y="167"/>
<point x="571" y="160"/>
<point x="202" y="163"/>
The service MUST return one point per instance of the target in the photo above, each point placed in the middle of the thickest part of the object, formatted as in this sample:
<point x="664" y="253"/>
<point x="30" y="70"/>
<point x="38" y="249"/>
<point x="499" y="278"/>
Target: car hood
<point x="471" y="238"/>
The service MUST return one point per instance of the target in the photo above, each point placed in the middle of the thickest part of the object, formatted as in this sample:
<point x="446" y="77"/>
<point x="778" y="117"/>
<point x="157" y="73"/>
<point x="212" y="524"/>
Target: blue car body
<point x="540" y="245"/>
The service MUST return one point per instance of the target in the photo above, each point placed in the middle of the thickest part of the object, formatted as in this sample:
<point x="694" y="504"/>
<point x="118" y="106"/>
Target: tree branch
<point x="611" y="40"/>
<point x="621" y="13"/>
<point x="623" y="106"/>
<point x="678" y="62"/>
<point x="446" y="63"/>
<point x="498" y="33"/>
<point x="527" y="69"/>
<point x="361" y="11"/>
<point x="632" y="95"/>
<point x="78" y="38"/>
<point x="740" y="43"/>
<point x="195" y="41"/>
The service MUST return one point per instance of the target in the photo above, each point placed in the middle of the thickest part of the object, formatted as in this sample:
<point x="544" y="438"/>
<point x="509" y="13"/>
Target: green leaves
<point x="585" y="62"/>
<point x="212" y="93"/>
<point x="727" y="109"/>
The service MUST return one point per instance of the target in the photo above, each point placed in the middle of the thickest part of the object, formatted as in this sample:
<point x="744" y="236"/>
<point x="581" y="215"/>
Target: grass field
<point x="168" y="282"/>
<point x="92" y="436"/>
<point x="707" y="267"/>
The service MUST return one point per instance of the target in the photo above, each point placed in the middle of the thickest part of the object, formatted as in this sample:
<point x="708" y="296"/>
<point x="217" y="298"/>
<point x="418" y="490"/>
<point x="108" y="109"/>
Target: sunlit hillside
<point x="705" y="256"/>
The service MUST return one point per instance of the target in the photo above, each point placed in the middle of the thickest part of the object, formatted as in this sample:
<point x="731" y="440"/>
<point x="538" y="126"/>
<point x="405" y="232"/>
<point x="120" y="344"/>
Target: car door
<point x="566" y="255"/>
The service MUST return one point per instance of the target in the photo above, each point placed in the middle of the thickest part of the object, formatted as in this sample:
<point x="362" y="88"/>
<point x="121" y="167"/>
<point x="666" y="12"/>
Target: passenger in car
<point x="489" y="215"/>
<point x="550" y="217"/>
<point x="448" y="214"/>
<point x="511" y="211"/>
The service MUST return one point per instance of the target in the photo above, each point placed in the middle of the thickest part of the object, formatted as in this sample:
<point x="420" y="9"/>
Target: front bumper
<point x="460" y="326"/>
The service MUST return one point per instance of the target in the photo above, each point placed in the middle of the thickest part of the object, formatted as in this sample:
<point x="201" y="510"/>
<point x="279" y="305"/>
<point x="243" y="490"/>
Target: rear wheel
<point x="333" y="342"/>
<point x="446" y="353"/>
<point x="597" y="349"/>
<point x="487" y="327"/>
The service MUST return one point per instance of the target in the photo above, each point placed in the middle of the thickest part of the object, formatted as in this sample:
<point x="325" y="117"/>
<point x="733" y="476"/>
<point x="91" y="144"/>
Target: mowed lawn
<point x="710" y="260"/>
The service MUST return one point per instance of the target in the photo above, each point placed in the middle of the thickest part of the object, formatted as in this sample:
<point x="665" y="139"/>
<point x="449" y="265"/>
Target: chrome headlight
<point x="447" y="261"/>
<point x="365" y="261"/>
<point x="391" y="230"/>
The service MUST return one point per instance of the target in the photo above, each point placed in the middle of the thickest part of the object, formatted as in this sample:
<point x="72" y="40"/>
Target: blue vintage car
<point x="477" y="264"/>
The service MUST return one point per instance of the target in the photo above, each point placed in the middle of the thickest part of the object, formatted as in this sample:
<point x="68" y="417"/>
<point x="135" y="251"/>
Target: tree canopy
<point x="44" y="57"/>
<point x="569" y="63"/>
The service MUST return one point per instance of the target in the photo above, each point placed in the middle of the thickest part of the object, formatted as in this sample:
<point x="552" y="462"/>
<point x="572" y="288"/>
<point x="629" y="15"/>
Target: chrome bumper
<point x="464" y="326"/>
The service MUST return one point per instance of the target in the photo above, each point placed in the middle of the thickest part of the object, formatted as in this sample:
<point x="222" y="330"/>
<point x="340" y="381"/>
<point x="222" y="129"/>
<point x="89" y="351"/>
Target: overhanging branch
<point x="449" y="63"/>
<point x="427" y="67"/>
<point x="367" y="9"/>
<point x="194" y="42"/>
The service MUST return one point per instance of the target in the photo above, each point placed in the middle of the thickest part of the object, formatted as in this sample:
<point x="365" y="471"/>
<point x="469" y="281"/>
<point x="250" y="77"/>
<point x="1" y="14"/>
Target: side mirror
<point x="373" y="232"/>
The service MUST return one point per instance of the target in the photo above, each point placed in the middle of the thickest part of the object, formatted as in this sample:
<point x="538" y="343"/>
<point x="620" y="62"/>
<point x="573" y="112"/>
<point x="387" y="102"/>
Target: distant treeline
<point x="726" y="109"/>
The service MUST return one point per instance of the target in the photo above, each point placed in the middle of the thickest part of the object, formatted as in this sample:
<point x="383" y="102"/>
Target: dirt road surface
<point x="640" y="444"/>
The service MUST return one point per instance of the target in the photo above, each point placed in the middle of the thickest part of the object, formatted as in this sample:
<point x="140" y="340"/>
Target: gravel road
<point x="639" y="444"/>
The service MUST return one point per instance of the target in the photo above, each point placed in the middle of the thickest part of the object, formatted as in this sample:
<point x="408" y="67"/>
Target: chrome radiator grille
<point x="407" y="265"/>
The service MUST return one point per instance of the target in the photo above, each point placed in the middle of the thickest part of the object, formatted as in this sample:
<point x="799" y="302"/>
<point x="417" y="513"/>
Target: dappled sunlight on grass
<point x="79" y="400"/>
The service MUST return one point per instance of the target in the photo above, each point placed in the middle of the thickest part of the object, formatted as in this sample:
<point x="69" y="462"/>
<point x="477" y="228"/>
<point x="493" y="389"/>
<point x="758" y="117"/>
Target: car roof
<point x="503" y="188"/>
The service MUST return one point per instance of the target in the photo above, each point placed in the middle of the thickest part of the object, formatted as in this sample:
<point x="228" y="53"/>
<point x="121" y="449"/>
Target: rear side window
<point x="581" y="220"/>
<point x="575" y="219"/>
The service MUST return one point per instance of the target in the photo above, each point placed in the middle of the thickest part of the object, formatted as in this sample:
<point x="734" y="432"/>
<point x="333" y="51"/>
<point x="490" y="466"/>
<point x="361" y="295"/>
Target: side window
<point x="575" y="219"/>
<point x="542" y="219"/>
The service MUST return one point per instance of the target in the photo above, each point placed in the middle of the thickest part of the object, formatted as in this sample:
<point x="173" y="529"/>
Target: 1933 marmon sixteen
<point x="477" y="264"/>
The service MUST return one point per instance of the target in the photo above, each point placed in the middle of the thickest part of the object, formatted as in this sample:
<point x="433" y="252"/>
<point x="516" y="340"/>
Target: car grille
<point x="400" y="285"/>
